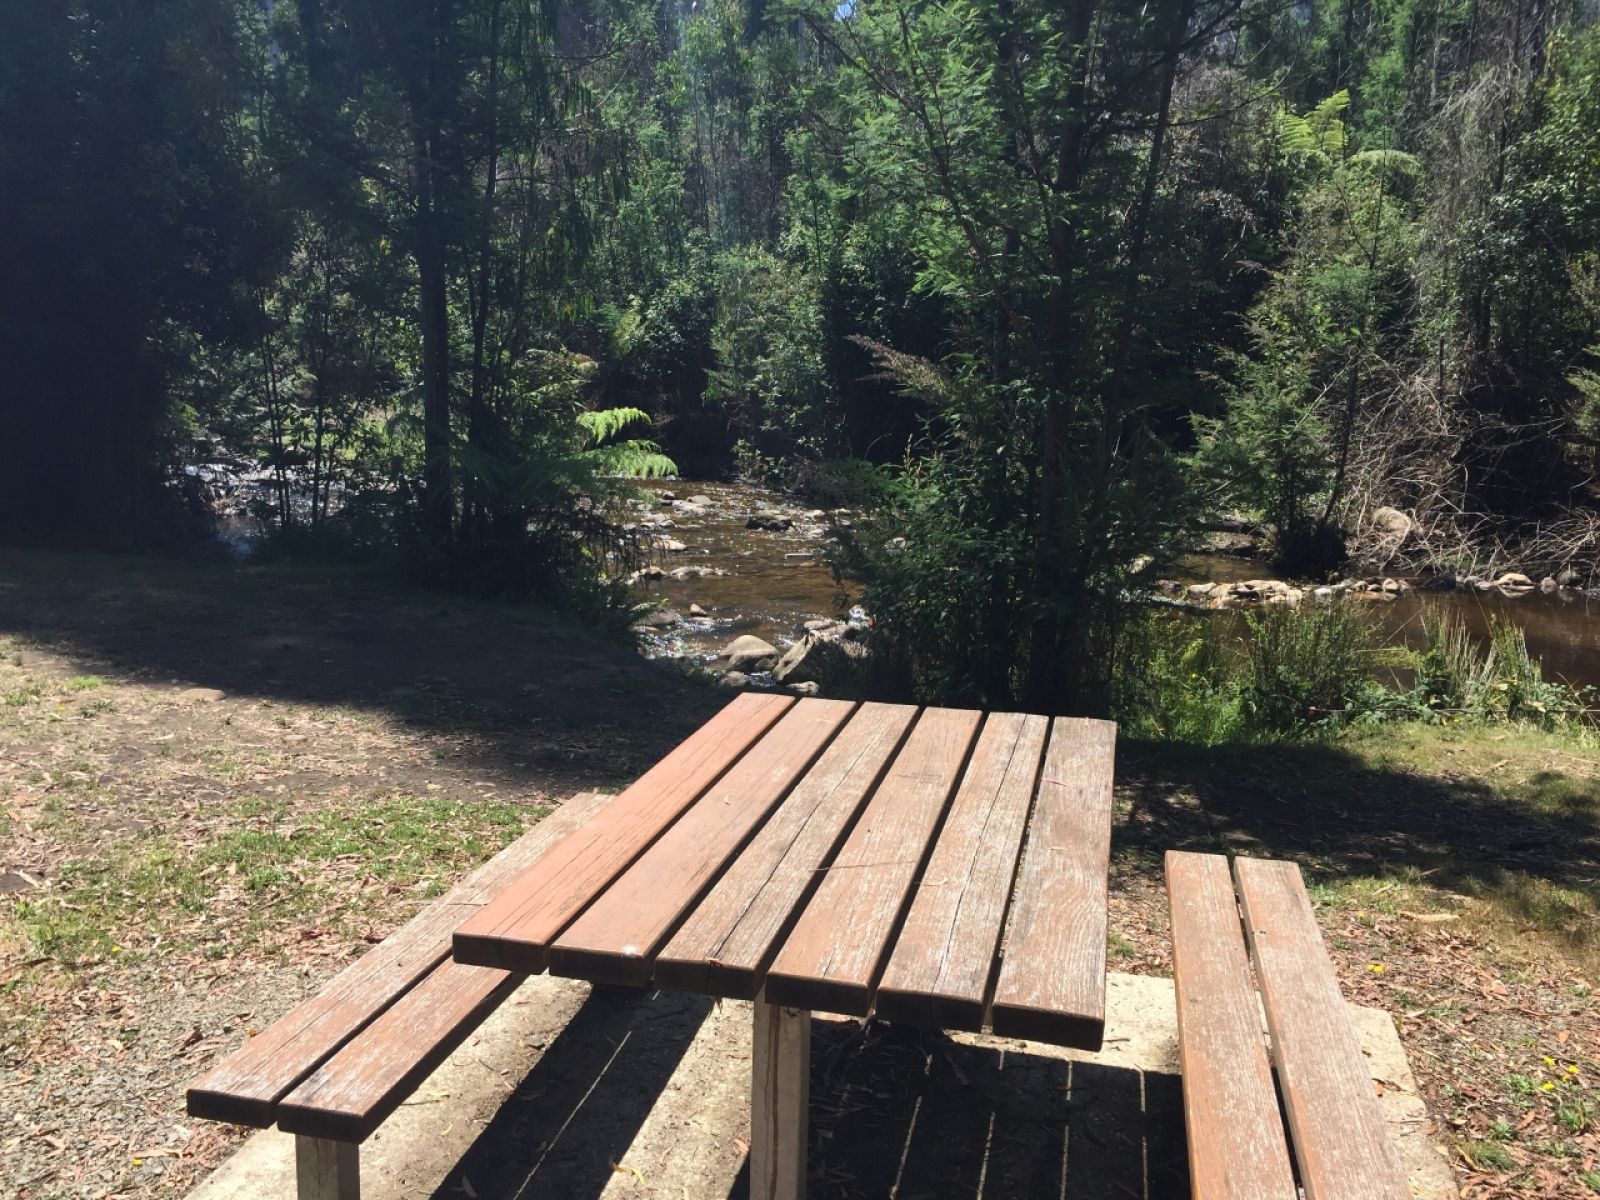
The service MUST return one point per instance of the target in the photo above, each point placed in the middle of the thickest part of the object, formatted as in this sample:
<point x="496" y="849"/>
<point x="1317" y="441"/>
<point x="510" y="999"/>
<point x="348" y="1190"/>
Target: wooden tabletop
<point x="940" y="866"/>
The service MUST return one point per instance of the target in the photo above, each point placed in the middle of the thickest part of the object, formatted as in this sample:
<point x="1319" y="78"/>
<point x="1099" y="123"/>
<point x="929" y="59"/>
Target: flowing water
<point x="772" y="582"/>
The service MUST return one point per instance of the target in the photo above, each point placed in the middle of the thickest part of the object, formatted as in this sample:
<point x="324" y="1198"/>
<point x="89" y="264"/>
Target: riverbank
<point x="221" y="784"/>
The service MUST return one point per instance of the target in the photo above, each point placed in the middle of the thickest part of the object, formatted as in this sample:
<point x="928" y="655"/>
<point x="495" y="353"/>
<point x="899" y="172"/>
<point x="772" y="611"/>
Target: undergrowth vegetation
<point x="1305" y="672"/>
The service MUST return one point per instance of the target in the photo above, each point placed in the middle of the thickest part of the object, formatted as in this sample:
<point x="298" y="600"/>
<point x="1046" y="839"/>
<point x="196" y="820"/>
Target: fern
<point x="1320" y="134"/>
<point x="635" y="459"/>
<point x="603" y="424"/>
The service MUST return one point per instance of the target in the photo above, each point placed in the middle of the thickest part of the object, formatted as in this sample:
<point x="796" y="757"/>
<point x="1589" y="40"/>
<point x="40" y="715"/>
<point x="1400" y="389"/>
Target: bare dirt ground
<point x="219" y="784"/>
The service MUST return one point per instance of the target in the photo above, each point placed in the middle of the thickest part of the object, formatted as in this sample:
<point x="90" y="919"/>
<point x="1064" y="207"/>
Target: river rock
<point x="749" y="653"/>
<point x="1514" y="583"/>
<point x="661" y="618"/>
<point x="809" y="688"/>
<point x="670" y="545"/>
<point x="1392" y="525"/>
<point x="201" y="695"/>
<point x="797" y="556"/>
<point x="769" y="522"/>
<point x="1567" y="577"/>
<point x="1274" y="592"/>
<point x="1548" y="585"/>
<point x="822" y="659"/>
<point x="696" y="611"/>
<point x="1443" y="582"/>
<point x="734" y="679"/>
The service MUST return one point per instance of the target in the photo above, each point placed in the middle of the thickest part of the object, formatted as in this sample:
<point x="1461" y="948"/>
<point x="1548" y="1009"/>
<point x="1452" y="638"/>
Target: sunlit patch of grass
<point x="1590" y="1180"/>
<point x="268" y="869"/>
<point x="1488" y="1156"/>
<point x="84" y="683"/>
<point x="23" y="696"/>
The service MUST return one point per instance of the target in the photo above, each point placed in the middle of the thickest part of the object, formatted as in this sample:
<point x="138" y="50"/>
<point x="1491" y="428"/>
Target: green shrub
<point x="1176" y="679"/>
<point x="1308" y="667"/>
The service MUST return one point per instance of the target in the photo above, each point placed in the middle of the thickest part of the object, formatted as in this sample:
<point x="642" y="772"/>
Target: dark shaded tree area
<point x="1044" y="286"/>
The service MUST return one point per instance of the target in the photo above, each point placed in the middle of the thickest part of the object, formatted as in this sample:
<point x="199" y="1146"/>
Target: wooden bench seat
<point x="1237" y="1146"/>
<point x="335" y="1066"/>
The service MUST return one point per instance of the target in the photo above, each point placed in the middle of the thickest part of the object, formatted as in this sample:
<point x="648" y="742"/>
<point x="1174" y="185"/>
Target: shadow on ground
<point x="1331" y="810"/>
<point x="895" y="1111"/>
<point x="910" y="1113"/>
<point x="531" y="698"/>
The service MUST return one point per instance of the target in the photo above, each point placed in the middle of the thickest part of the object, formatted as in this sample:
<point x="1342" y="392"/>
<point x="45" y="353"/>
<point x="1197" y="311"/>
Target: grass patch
<point x="85" y="683"/>
<point x="1488" y="1156"/>
<point x="267" y="875"/>
<point x="23" y="696"/>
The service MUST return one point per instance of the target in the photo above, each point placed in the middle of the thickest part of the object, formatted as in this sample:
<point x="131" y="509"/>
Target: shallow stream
<point x="772" y="582"/>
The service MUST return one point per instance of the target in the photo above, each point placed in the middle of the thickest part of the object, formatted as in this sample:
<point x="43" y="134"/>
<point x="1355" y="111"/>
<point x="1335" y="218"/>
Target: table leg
<point x="780" y="1098"/>
<point x="326" y="1170"/>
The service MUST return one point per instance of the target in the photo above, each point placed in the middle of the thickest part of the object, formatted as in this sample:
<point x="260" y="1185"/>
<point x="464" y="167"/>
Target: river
<point x="773" y="581"/>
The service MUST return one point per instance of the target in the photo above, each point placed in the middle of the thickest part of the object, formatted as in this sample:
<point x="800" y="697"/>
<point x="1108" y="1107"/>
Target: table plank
<point x="943" y="960"/>
<point x="245" y="1087"/>
<point x="1341" y="1141"/>
<point x="1237" y="1148"/>
<point x="356" y="1090"/>
<point x="616" y="938"/>
<point x="727" y="942"/>
<point x="1052" y="984"/>
<point x="513" y="931"/>
<point x="833" y="957"/>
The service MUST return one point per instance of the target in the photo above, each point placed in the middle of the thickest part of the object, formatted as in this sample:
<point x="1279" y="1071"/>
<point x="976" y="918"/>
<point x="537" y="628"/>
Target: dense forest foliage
<point x="1046" y="287"/>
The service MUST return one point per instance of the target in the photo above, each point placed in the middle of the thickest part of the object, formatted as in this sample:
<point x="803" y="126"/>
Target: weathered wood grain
<point x="1052" y="983"/>
<point x="616" y="938"/>
<point x="1237" y="1147"/>
<point x="943" y="960"/>
<point x="245" y="1087"/>
<point x="780" y="1102"/>
<point x="352" y="1093"/>
<point x="514" y="930"/>
<point x="832" y="958"/>
<point x="725" y="945"/>
<point x="1340" y="1139"/>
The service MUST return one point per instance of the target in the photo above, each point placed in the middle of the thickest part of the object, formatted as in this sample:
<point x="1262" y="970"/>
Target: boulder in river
<point x="1514" y="583"/>
<point x="734" y="679"/>
<point x="661" y="618"/>
<point x="821" y="658"/>
<point x="769" y="522"/>
<point x="749" y="653"/>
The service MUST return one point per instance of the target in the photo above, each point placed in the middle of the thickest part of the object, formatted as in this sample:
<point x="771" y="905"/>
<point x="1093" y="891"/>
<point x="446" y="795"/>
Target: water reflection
<point x="1561" y="627"/>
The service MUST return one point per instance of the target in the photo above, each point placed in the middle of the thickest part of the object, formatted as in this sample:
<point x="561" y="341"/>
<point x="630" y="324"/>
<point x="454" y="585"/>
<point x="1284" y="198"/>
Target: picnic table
<point x="937" y="866"/>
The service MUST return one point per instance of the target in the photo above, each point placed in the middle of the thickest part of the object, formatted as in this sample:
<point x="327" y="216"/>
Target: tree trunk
<point x="1050" y="671"/>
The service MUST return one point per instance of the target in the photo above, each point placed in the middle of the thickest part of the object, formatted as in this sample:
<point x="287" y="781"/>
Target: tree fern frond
<point x="603" y="424"/>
